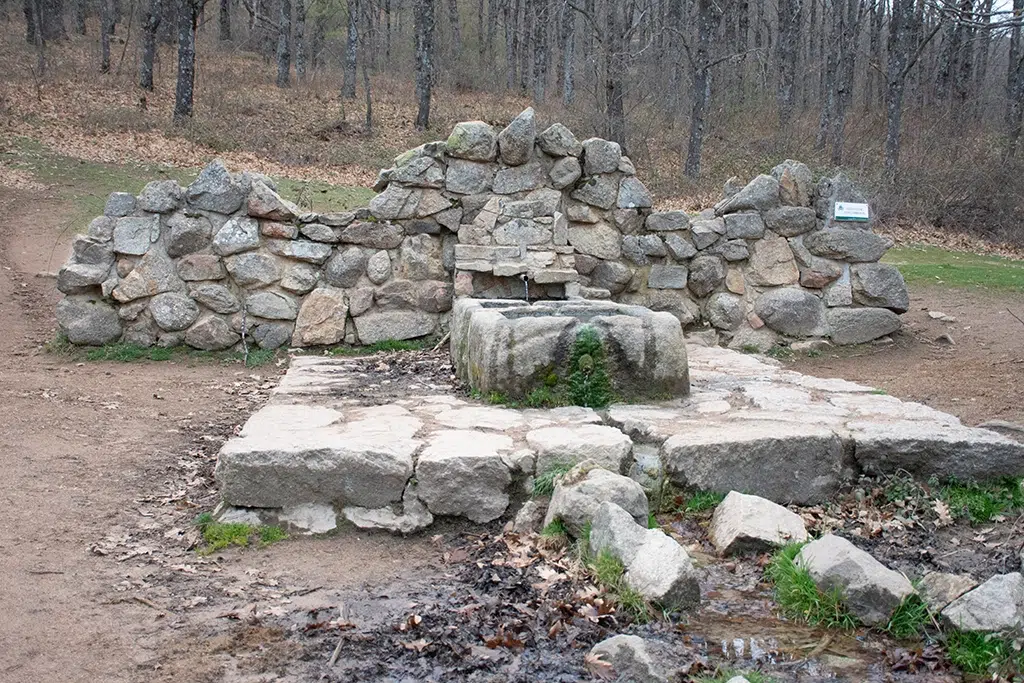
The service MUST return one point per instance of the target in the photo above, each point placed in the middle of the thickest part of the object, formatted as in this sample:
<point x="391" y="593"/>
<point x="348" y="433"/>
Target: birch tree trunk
<point x="424" y="29"/>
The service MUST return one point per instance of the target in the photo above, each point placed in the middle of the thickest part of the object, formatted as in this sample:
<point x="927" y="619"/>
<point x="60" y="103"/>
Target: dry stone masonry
<point x="485" y="214"/>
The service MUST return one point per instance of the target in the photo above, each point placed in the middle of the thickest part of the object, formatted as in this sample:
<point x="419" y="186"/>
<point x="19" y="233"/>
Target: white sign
<point x="849" y="211"/>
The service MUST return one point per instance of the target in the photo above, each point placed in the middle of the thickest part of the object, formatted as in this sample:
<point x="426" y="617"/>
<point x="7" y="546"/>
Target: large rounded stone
<point x="217" y="298"/>
<point x="160" y="196"/>
<point x="600" y="156"/>
<point x="881" y="285"/>
<point x="772" y="263"/>
<point x="240" y="233"/>
<point x="187" y="235"/>
<point x="793" y="312"/>
<point x="216" y="190"/>
<point x="559" y="141"/>
<point x="725" y="311"/>
<point x="473" y="140"/>
<point x="579" y="493"/>
<point x="345" y="267"/>
<point x="88" y="320"/>
<point x="607" y="447"/>
<point x="271" y="305"/>
<point x="600" y="240"/>
<point x="173" y="311"/>
<point x="515" y="142"/>
<point x="322" y="317"/>
<point x="211" y="333"/>
<point x="860" y="325"/>
<point x="855" y="246"/>
<point x="378" y="267"/>
<point x="254" y="270"/>
<point x="706" y="273"/>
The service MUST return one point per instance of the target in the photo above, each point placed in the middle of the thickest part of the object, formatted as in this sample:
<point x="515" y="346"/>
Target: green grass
<point x="909" y="619"/>
<point x="544" y="483"/>
<point x="652" y="521"/>
<point x="799" y="598"/>
<point x="980" y="653"/>
<point x="554" y="529"/>
<point x="750" y="348"/>
<point x="982" y="502"/>
<point x="933" y="265"/>
<point x="218" y="536"/>
<point x="609" y="572"/>
<point x="780" y="352"/>
<point x="725" y="675"/>
<point x="133" y="353"/>
<point x="700" y="501"/>
<point x="321" y="197"/>
<point x="387" y="345"/>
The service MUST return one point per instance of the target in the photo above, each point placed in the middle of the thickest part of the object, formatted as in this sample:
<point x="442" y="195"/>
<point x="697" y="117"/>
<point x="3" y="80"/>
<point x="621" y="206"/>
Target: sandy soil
<point x="104" y="464"/>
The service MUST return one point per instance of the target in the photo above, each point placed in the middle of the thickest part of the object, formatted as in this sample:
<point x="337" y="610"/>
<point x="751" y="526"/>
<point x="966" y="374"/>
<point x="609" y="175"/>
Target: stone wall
<point x="486" y="214"/>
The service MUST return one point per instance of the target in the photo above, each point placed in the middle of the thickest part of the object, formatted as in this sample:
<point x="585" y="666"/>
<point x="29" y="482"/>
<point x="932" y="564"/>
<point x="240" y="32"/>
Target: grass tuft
<point x="609" y="572"/>
<point x="218" y="536"/>
<point x="723" y="676"/>
<point x="982" y="502"/>
<point x="555" y="529"/>
<point x="387" y="345"/>
<point x="909" y="619"/>
<point x="544" y="483"/>
<point x="983" y="653"/>
<point x="799" y="597"/>
<point x="701" y="501"/>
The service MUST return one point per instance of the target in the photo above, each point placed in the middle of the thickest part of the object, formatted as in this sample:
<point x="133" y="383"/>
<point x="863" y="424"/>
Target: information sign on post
<point x="851" y="211"/>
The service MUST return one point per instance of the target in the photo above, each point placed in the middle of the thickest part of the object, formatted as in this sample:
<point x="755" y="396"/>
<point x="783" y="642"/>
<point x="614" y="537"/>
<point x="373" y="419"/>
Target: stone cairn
<point x="485" y="214"/>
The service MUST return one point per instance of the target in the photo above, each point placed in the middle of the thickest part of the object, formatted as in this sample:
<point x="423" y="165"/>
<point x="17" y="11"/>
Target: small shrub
<point x="541" y="397"/>
<point x="259" y="357"/>
<point x="271" y="534"/>
<point x="799" y="597"/>
<point x="723" y="676"/>
<point x="750" y="348"/>
<point x="780" y="352"/>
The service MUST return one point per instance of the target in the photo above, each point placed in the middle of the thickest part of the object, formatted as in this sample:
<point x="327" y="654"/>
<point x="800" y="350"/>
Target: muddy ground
<point x="106" y="464"/>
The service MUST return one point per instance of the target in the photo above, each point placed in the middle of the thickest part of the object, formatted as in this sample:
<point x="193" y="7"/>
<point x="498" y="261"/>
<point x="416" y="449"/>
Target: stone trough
<point x="314" y="452"/>
<point x="511" y="347"/>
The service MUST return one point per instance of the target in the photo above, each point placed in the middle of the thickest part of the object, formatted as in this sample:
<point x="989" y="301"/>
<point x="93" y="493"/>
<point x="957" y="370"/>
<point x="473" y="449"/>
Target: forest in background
<point x="920" y="100"/>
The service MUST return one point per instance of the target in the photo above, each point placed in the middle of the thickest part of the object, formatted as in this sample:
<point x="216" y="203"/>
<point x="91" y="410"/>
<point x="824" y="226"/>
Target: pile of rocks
<point x="487" y="214"/>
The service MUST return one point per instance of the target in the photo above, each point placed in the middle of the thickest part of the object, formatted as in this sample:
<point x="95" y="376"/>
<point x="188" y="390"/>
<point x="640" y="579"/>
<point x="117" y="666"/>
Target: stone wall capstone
<point x="487" y="214"/>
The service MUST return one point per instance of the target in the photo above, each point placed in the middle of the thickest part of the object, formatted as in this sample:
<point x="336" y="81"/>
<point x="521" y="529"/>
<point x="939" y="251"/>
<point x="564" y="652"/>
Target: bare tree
<point x="106" y="29"/>
<point x="348" y="88"/>
<point x="1015" y="82"/>
<point x="184" y="92"/>
<point x="699" y="56"/>
<point x="284" y="48"/>
<point x="224" y="21"/>
<point x="424" y="27"/>
<point x="149" y="30"/>
<point x="300" y="40"/>
<point x="79" y="8"/>
<point x="787" y="54"/>
<point x="568" y="39"/>
<point x="455" y="22"/>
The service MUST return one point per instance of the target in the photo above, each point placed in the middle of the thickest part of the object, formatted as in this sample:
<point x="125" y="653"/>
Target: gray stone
<point x="300" y="278"/>
<point x="938" y="589"/>
<point x="293" y="454"/>
<point x="793" y="312"/>
<point x="418" y="171"/>
<point x="610" y="275"/>
<point x="523" y="178"/>
<point x="639" y="248"/>
<point x="75" y="276"/>
<point x="398" y="325"/>
<point x="337" y="219"/>
<point x="656" y="566"/>
<point x="543" y="202"/>
<point x="725" y="311"/>
<point x="761" y="194"/>
<point x="871" y="591"/>
<point x="272" y="335"/>
<point x="134" y="235"/>
<point x="668" y="221"/>
<point x="580" y="491"/>
<point x="565" y="172"/>
<point x="772" y="263"/>
<point x="880" y="285"/>
<point x="286" y="231"/>
<point x="238" y="234"/>
<point x="732" y="250"/>
<point x="816" y="272"/>
<point x="359" y="300"/>
<point x="628" y="659"/>
<point x="300" y="250"/>
<point x="87" y="320"/>
<point x="271" y="305"/>
<point x="706" y="274"/>
<point x="321" y="320"/>
<point x="605" y="447"/>
<point x="679" y="248"/>
<point x="520" y="231"/>
<point x="211" y="333"/>
<point x="581" y="213"/>
<point x="413" y="517"/>
<point x="601" y="191"/>
<point x="421" y="258"/>
<point x="761" y="340"/>
<point x="461" y="472"/>
<point x="373" y="235"/>
<point x="318" y="232"/>
<point x="119" y="204"/>
<point x="790" y="221"/>
<point x="378" y="267"/>
<point x="154" y="274"/>
<point x="265" y="203"/>
<point x="254" y="270"/>
<point x="187" y="235"/>
<point x="743" y="226"/>
<point x="161" y="196"/>
<point x="433" y="296"/>
<point x="473" y="140"/>
<point x="102" y="228"/>
<point x="795" y="183"/>
<point x="398" y="202"/>
<point x="559" y="141"/>
<point x="173" y="311"/>
<point x="633" y="194"/>
<point x="995" y="606"/>
<point x="346" y="267"/>
<point x="217" y="298"/>
<point x="784" y="462"/>
<point x="667" y="277"/>
<point x="515" y="142"/>
<point x="704" y="233"/>
<point x="860" y="325"/>
<point x="600" y="240"/>
<point x="743" y="523"/>
<point x="855" y="246"/>
<point x="200" y="267"/>
<point x="216" y="190"/>
<point x="600" y="156"/>
<point x="927" y="448"/>
<point x="468" y="177"/>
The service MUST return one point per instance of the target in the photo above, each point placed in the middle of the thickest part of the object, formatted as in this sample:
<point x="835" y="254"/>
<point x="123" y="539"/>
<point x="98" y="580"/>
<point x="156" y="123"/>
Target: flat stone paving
<point x="748" y="425"/>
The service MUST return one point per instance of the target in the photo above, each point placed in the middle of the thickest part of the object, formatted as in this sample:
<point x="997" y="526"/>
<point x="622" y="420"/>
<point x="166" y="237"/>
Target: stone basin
<point x="512" y="347"/>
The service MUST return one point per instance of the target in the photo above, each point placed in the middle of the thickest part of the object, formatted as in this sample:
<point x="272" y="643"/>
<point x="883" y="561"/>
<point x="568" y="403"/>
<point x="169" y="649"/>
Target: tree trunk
<point x="79" y="17"/>
<point x="526" y="47"/>
<point x="984" y="46"/>
<point x="453" y="19"/>
<point x="188" y="17"/>
<point x="106" y="28"/>
<point x="348" y="88"/>
<point x="568" y="54"/>
<point x="708" y="18"/>
<point x="149" y="29"/>
<point x="284" y="48"/>
<point x="224" y="21"/>
<point x="300" y="39"/>
<point x="902" y="39"/>
<point x="424" y="30"/>
<point x="31" y="34"/>
<point x="36" y="13"/>
<point x="787" y="54"/>
<point x="52" y="20"/>
<point x="1015" y="84"/>
<point x="511" y="43"/>
<point x="615" y="72"/>
<point x="540" y="50"/>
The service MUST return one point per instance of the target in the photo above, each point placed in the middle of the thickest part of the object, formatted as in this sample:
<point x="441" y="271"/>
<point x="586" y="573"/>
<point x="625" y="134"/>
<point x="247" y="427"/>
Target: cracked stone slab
<point x="462" y="472"/>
